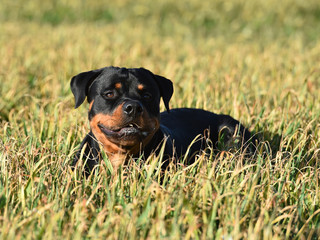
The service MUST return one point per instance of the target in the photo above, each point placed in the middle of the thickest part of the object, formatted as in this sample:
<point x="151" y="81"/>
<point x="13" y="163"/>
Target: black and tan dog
<point x="125" y="117"/>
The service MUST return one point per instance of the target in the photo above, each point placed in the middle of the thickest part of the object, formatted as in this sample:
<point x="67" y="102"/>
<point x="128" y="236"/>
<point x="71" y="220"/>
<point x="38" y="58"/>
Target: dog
<point x="125" y="118"/>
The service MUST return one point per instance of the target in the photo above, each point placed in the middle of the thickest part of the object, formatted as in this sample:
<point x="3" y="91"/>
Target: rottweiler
<point x="125" y="118"/>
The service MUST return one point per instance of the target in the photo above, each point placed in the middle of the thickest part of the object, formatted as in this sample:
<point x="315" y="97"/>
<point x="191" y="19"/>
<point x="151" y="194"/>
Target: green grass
<point x="255" y="60"/>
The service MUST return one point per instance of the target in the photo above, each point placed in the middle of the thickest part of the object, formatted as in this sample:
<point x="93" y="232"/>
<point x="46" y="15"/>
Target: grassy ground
<point x="255" y="60"/>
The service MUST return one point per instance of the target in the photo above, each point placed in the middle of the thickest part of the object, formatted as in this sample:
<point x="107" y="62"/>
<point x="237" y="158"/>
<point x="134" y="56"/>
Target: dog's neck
<point x="118" y="155"/>
<point x="161" y="140"/>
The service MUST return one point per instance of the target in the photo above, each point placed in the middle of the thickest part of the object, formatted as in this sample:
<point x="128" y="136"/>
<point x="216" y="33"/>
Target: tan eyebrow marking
<point x="118" y="85"/>
<point x="140" y="87"/>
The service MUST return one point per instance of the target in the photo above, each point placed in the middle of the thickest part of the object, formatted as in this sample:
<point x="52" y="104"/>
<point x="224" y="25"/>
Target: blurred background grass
<point x="248" y="19"/>
<point x="256" y="60"/>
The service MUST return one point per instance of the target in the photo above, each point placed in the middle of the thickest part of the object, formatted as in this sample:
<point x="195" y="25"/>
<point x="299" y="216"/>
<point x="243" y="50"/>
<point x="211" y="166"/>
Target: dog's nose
<point x="133" y="108"/>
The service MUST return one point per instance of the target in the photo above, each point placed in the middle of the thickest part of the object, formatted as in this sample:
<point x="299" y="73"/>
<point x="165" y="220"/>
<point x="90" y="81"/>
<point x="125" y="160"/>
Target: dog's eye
<point x="147" y="96"/>
<point x="109" y="94"/>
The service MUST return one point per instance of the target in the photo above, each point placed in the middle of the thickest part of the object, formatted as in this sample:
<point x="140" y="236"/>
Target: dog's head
<point x="124" y="105"/>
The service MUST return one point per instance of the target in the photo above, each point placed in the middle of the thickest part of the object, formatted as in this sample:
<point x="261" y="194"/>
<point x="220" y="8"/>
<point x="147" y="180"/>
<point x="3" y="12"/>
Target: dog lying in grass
<point x="125" y="118"/>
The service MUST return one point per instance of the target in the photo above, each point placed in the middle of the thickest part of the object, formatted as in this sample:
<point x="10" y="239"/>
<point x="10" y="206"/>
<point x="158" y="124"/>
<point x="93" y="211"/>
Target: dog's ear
<point x="80" y="85"/>
<point x="166" y="89"/>
<point x="165" y="86"/>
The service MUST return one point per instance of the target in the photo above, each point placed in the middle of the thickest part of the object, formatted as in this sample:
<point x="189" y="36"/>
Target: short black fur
<point x="178" y="126"/>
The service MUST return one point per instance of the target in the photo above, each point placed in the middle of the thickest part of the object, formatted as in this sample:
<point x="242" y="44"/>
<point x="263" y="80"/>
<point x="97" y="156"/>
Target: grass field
<point x="258" y="61"/>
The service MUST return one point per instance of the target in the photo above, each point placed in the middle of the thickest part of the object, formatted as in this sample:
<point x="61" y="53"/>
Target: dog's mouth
<point x="131" y="129"/>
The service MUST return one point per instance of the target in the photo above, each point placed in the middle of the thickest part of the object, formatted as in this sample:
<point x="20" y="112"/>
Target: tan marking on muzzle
<point x="117" y="149"/>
